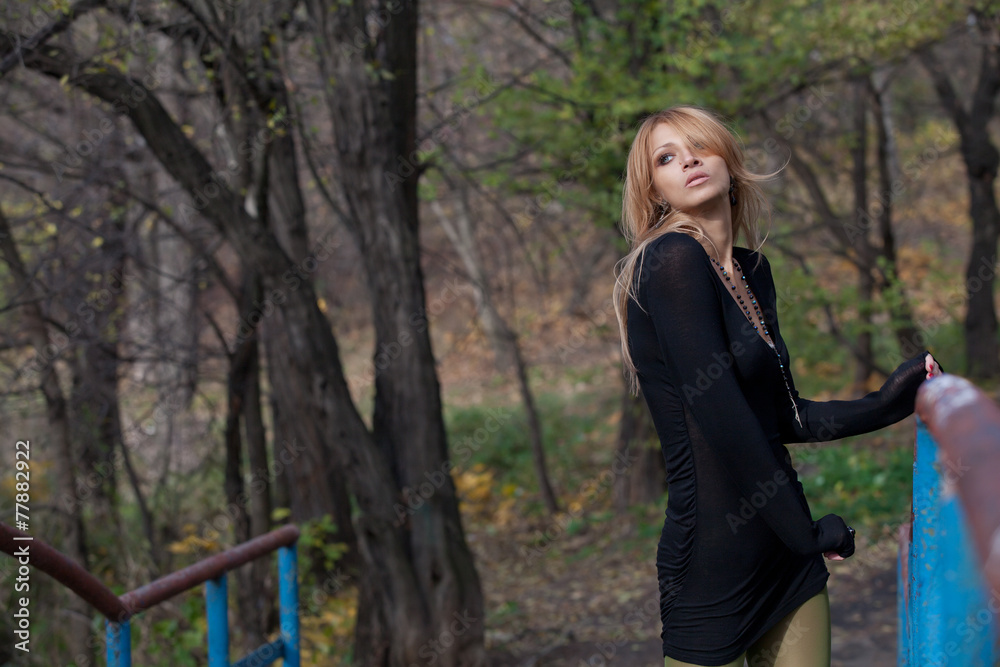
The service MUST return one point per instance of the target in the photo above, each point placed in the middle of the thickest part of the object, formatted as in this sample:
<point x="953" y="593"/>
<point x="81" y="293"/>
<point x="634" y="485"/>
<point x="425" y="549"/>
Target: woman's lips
<point x="697" y="181"/>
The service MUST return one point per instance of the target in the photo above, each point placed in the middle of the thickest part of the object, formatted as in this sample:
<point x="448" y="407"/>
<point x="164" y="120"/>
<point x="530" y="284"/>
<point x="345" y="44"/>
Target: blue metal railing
<point x="947" y="607"/>
<point x="211" y="571"/>
<point x="217" y="604"/>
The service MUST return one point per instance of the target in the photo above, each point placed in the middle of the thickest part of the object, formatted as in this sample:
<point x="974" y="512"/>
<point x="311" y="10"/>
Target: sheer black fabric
<point x="739" y="549"/>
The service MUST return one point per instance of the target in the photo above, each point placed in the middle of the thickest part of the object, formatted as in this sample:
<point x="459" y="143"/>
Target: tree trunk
<point x="263" y="619"/>
<point x="850" y="233"/>
<point x="94" y="399"/>
<point x="97" y="420"/>
<point x="282" y="210"/>
<point x="859" y="153"/>
<point x="233" y="483"/>
<point x="254" y="600"/>
<point x="980" y="274"/>
<point x="261" y="149"/>
<point x="64" y="529"/>
<point x="374" y="123"/>
<point x="645" y="478"/>
<point x="981" y="162"/>
<point x="286" y="216"/>
<point x="460" y="232"/>
<point x="911" y="342"/>
<point x="535" y="432"/>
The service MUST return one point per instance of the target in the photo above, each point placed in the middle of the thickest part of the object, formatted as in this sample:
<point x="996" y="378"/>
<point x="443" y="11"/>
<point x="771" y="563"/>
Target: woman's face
<point x="686" y="176"/>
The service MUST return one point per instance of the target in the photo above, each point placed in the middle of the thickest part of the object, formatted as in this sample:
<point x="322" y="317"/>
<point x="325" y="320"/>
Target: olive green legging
<point x="800" y="639"/>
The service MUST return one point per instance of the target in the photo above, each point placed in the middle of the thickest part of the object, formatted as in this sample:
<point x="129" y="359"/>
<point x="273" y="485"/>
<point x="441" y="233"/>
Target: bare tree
<point x="460" y="228"/>
<point x="426" y="578"/>
<point x="66" y="528"/>
<point x="981" y="159"/>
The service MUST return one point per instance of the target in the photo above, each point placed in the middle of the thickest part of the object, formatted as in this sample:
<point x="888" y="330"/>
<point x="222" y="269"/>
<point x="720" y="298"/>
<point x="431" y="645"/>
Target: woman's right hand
<point x="835" y="537"/>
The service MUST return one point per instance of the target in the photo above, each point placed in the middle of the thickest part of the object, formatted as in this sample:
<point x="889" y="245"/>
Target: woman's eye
<point x="664" y="159"/>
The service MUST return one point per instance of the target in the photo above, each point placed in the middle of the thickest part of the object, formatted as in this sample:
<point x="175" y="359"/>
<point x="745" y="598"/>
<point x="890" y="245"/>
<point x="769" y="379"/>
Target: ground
<point x="590" y="600"/>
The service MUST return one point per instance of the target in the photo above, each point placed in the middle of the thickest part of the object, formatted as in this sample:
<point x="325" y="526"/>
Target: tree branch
<point x="830" y="219"/>
<point x="21" y="49"/>
<point x="168" y="143"/>
<point x="943" y="86"/>
<point x="988" y="83"/>
<point x="831" y="319"/>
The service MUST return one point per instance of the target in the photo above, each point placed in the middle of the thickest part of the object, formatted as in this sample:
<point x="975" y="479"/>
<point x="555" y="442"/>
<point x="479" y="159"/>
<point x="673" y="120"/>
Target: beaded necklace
<point x="760" y="318"/>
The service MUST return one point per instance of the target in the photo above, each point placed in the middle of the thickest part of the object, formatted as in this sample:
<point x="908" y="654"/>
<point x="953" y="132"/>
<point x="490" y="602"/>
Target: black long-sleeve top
<point x="739" y="549"/>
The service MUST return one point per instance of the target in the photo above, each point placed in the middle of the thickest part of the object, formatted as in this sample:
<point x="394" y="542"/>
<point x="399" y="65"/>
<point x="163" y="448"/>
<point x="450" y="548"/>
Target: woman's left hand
<point x="931" y="366"/>
<point x="833" y="555"/>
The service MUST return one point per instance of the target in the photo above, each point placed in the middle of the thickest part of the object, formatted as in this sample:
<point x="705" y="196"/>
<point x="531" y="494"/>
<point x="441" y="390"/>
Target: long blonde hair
<point x="644" y="219"/>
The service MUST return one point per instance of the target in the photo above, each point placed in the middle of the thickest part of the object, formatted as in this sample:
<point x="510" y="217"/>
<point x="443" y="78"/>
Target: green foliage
<point x="640" y="56"/>
<point x="821" y="363"/>
<point x="181" y="638"/>
<point x="576" y="436"/>
<point x="869" y="486"/>
<point x="318" y="550"/>
<point x="818" y="357"/>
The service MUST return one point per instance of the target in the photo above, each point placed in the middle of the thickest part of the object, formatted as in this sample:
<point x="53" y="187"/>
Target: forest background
<point x="349" y="264"/>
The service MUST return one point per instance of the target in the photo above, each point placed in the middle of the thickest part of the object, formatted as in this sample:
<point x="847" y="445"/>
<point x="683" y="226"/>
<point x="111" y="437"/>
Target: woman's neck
<point x="719" y="244"/>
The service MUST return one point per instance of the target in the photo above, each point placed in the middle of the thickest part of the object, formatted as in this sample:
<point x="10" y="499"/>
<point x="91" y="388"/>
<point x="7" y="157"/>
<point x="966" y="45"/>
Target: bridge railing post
<point x="947" y="608"/>
<point x="288" y="600"/>
<point x="904" y="650"/>
<point x="119" y="644"/>
<point x="217" y="617"/>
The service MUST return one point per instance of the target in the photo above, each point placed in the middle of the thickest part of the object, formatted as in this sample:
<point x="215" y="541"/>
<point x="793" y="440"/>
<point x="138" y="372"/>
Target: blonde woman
<point x="740" y="560"/>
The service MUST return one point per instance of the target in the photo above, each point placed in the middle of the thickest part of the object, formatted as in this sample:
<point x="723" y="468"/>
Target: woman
<point x="740" y="561"/>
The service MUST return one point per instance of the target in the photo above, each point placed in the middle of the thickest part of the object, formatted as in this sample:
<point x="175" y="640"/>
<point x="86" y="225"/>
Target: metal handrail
<point x="114" y="608"/>
<point x="212" y="567"/>
<point x="210" y="571"/>
<point x="66" y="571"/>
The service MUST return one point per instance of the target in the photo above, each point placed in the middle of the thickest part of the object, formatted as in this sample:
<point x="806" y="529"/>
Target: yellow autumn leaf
<point x="505" y="513"/>
<point x="475" y="485"/>
<point x="188" y="131"/>
<point x="97" y="242"/>
<point x="192" y="544"/>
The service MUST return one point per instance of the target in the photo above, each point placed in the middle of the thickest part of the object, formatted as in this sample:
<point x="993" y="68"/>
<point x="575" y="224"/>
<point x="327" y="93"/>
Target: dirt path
<point x="863" y="610"/>
<point x="583" y="603"/>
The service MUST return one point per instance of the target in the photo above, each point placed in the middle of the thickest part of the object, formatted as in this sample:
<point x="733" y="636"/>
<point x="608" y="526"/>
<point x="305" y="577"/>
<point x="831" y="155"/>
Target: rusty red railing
<point x="211" y="571"/>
